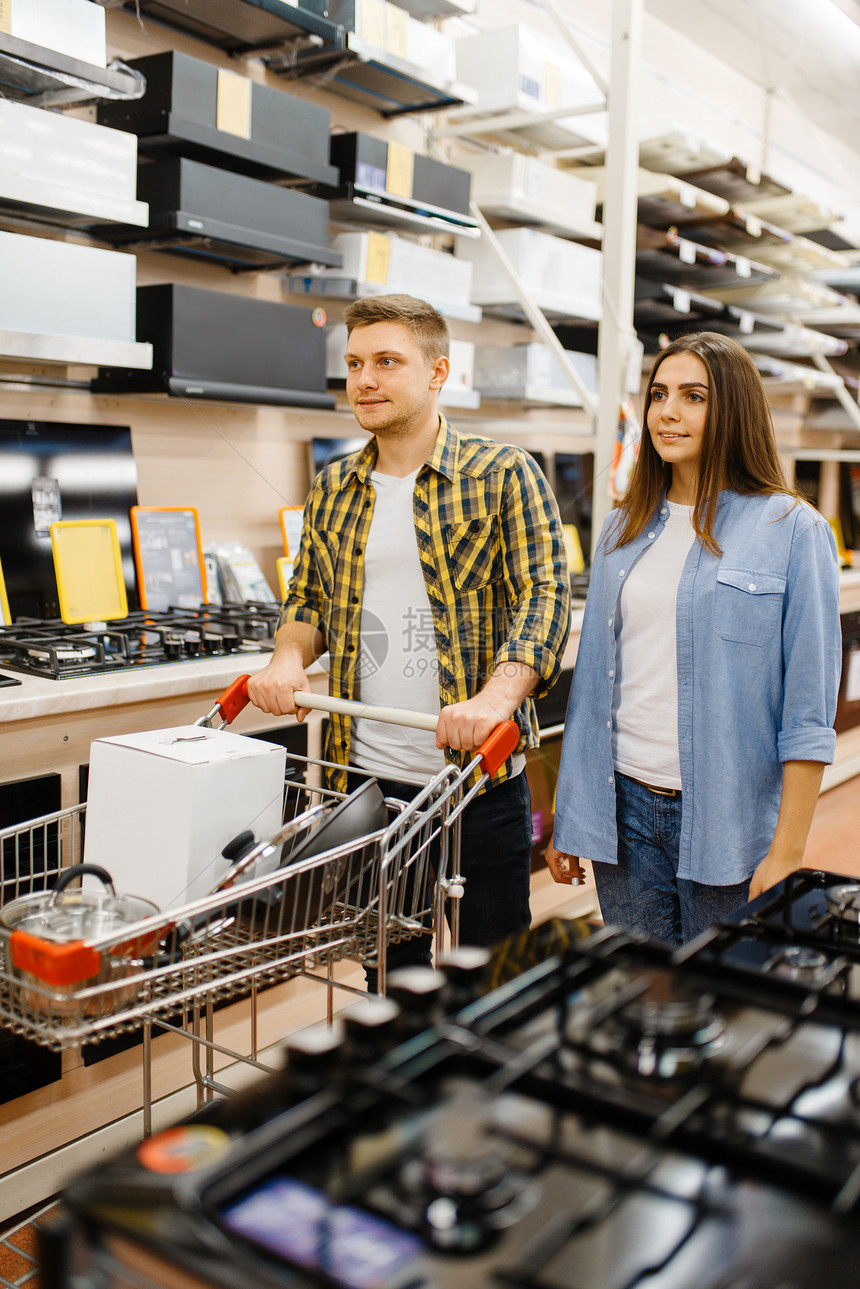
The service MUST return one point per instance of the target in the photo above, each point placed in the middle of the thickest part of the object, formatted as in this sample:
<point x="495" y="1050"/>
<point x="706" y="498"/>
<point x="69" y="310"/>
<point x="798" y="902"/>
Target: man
<point x="431" y="567"/>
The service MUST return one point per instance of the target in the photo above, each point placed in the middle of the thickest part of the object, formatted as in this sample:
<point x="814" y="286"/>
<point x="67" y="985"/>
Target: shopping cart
<point x="172" y="969"/>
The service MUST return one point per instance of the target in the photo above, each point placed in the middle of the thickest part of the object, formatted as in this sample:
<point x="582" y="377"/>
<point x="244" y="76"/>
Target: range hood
<point x="67" y="304"/>
<point x="214" y="345"/>
<point x="62" y="170"/>
<point x="213" y="214"/>
<point x="193" y="109"/>
<point x="387" y="185"/>
<point x="243" y="26"/>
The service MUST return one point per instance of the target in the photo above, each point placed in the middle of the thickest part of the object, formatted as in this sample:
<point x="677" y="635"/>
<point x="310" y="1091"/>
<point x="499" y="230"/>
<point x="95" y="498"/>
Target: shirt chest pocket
<point x="326" y="546"/>
<point x="748" y="607"/>
<point x="474" y="552"/>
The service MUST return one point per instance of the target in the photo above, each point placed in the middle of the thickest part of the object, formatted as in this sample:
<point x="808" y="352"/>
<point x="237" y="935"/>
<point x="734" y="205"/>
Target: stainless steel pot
<point x="67" y="950"/>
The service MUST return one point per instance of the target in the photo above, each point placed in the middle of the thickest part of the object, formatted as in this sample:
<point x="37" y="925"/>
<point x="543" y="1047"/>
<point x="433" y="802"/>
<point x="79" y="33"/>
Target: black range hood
<point x="212" y="214"/>
<point x="242" y="26"/>
<point x="214" y="345"/>
<point x="376" y="188"/>
<point x="287" y="137"/>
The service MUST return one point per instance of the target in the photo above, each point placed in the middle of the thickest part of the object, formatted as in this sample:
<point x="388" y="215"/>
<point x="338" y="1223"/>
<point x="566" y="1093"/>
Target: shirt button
<point x="621" y="572"/>
<point x="610" y="778"/>
<point x="610" y="622"/>
<point x="609" y="725"/>
<point x="752" y="586"/>
<point x="651" y="536"/>
<point x="356" y="599"/>
<point x="664" y="511"/>
<point x="359" y="551"/>
<point x="612" y="673"/>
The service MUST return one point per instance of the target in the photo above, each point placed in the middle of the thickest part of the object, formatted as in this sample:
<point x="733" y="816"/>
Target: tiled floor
<point x="834" y="845"/>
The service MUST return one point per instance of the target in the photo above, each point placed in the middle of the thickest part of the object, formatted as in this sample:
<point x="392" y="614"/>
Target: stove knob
<point x="372" y="1029"/>
<point x="312" y="1057"/>
<point x="419" y="992"/>
<point x="466" y="970"/>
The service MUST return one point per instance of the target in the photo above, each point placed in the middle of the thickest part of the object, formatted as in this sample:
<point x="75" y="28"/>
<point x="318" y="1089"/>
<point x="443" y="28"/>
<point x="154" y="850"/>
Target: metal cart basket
<point x="349" y="901"/>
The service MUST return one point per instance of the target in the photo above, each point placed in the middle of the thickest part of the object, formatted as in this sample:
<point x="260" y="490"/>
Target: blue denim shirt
<point x="759" y="653"/>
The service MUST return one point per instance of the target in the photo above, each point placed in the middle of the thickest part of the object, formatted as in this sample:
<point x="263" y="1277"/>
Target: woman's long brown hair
<point x="738" y="446"/>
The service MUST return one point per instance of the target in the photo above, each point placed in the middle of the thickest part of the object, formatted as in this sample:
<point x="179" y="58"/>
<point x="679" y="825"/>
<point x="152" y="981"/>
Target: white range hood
<point x="65" y="303"/>
<point x="65" y="170"/>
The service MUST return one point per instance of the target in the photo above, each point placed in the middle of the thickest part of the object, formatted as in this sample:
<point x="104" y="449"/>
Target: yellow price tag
<point x="552" y="84"/>
<point x="573" y="548"/>
<point x="370" y="22"/>
<point x="6" y="16"/>
<point x="398" y="176"/>
<point x="396" y="30"/>
<point x="233" y="110"/>
<point x="378" y="257"/>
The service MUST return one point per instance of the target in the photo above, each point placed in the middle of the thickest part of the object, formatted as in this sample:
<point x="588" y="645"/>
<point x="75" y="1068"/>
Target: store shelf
<point x="373" y="77"/>
<point x="337" y="288"/>
<point x="26" y="74"/>
<point x="239" y="26"/>
<point x="736" y="181"/>
<point x="677" y="260"/>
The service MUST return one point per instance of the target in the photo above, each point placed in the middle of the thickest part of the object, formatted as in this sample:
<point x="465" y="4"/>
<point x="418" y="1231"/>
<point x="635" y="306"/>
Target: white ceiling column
<point x="616" y="332"/>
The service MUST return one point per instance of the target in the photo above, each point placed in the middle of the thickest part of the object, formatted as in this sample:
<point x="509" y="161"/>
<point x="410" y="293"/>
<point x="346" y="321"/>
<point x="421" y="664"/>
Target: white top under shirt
<point x="399" y="665"/>
<point x="645" y="695"/>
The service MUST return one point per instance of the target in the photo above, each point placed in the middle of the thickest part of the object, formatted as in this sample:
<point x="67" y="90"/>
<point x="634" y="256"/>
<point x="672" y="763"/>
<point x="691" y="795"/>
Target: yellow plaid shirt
<point x="492" y="553"/>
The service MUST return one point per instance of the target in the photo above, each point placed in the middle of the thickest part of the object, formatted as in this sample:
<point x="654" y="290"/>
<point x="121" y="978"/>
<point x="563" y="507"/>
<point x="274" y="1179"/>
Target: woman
<point x="700" y="716"/>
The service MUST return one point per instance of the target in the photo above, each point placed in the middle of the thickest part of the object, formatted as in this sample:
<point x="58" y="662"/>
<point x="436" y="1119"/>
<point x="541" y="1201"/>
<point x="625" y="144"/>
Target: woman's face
<point x="678" y="411"/>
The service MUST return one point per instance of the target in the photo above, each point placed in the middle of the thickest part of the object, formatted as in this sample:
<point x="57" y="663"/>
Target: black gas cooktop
<point x="617" y="1116"/>
<point x="55" y="650"/>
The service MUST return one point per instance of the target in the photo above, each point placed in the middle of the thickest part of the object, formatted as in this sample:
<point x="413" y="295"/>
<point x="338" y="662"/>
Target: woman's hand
<point x="564" y="868"/>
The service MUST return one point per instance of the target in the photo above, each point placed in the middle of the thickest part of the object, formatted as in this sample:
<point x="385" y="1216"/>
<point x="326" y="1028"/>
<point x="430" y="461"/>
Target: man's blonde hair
<point x="427" y="325"/>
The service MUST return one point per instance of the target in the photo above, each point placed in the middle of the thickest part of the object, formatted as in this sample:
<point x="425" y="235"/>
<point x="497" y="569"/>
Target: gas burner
<point x="801" y="964"/>
<point x="55" y="650"/>
<point x="461" y="1188"/>
<point x="843" y="902"/>
<point x="669" y="1030"/>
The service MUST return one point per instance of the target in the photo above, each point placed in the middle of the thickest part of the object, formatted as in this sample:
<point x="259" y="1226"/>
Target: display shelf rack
<point x="677" y="260"/>
<point x="240" y="26"/>
<point x="374" y="77"/>
<point x="45" y="78"/>
<point x="337" y="288"/>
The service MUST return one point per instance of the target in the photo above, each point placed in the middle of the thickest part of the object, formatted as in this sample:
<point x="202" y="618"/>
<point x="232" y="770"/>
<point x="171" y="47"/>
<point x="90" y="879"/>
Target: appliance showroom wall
<point x="240" y="463"/>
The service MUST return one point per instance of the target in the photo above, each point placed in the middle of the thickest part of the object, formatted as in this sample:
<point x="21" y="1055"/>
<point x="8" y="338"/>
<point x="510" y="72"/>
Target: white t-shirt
<point x="645" y="696"/>
<point x="399" y="665"/>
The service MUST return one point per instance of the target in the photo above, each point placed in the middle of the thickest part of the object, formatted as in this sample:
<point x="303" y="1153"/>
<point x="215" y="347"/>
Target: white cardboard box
<point x="161" y="805"/>
<point x="395" y="264"/>
<point x="531" y="373"/>
<point x="519" y="69"/>
<point x="527" y="190"/>
<point x="563" y="277"/>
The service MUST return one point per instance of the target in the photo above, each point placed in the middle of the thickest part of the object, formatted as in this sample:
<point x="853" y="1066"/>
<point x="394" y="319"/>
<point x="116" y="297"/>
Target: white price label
<point x="681" y="301"/>
<point x="746" y="323"/>
<point x="753" y="224"/>
<point x="742" y="267"/>
<point x="687" y="252"/>
<point x="687" y="196"/>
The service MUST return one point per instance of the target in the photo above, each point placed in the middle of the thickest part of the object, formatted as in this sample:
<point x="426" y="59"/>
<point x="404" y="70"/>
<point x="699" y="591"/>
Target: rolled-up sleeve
<point x="812" y="646"/>
<point x="536" y="576"/>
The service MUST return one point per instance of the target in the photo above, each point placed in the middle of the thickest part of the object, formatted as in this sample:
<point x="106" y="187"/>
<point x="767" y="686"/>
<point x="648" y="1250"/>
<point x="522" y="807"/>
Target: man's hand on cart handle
<point x="493" y="750"/>
<point x="272" y="689"/>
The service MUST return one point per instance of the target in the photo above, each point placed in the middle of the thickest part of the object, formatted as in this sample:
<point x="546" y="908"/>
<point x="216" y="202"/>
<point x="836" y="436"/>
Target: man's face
<point x="391" y="386"/>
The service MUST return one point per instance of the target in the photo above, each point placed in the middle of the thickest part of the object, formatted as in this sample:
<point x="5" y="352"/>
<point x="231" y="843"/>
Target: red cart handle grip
<point x="496" y="749"/>
<point x="235" y="699"/>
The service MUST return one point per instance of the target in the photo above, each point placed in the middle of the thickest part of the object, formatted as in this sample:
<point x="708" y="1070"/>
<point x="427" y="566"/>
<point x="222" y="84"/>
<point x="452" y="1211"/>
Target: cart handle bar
<point x="492" y="753"/>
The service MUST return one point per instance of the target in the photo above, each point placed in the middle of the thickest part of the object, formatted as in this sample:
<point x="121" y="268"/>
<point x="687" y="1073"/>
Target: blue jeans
<point x="643" y="891"/>
<point x="495" y="859"/>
